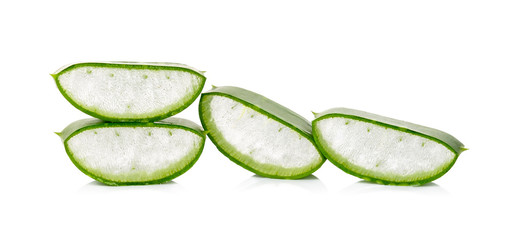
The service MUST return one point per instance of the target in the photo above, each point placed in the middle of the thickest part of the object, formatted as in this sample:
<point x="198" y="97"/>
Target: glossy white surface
<point x="114" y="91"/>
<point x="444" y="64"/>
<point x="141" y="154"/>
<point x="256" y="135"/>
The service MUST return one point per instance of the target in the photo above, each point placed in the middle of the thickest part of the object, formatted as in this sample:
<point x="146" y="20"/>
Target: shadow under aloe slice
<point x="129" y="91"/>
<point x="384" y="150"/>
<point x="258" y="134"/>
<point x="133" y="153"/>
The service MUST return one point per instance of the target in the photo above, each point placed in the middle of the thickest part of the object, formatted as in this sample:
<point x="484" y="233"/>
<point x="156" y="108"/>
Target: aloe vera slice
<point x="384" y="150"/>
<point x="258" y="134"/>
<point x="129" y="91"/>
<point x="133" y="153"/>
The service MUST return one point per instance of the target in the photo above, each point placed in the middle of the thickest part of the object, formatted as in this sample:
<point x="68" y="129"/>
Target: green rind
<point x="261" y="103"/>
<point x="398" y="124"/>
<point x="182" y="122"/>
<point x="74" y="126"/>
<point x="448" y="141"/>
<point x="264" y="106"/>
<point x="87" y="124"/>
<point x="130" y="65"/>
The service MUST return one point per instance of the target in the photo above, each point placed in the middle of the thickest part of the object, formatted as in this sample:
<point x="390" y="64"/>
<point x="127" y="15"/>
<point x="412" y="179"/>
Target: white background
<point x="444" y="64"/>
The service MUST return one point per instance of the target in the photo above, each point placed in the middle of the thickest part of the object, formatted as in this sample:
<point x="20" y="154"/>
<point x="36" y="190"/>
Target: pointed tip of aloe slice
<point x="213" y="87"/>
<point x="58" y="134"/>
<point x="203" y="72"/>
<point x="314" y="114"/>
<point x="53" y="75"/>
<point x="463" y="149"/>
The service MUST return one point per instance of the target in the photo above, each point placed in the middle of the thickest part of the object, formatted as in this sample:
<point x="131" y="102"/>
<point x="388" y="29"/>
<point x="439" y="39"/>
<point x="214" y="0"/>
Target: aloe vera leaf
<point x="259" y="134"/>
<point x="133" y="153"/>
<point x="384" y="150"/>
<point x="129" y="91"/>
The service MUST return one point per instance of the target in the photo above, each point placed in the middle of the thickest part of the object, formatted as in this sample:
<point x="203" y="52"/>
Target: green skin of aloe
<point x="159" y="175"/>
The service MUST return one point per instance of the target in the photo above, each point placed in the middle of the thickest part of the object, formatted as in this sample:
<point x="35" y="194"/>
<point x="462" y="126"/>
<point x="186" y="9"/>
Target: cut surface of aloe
<point x="384" y="150"/>
<point x="129" y="91"/>
<point x="133" y="153"/>
<point x="258" y="134"/>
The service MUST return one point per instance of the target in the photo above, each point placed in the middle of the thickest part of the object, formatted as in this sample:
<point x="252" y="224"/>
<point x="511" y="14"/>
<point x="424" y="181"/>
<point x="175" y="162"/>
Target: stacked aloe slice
<point x="129" y="141"/>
